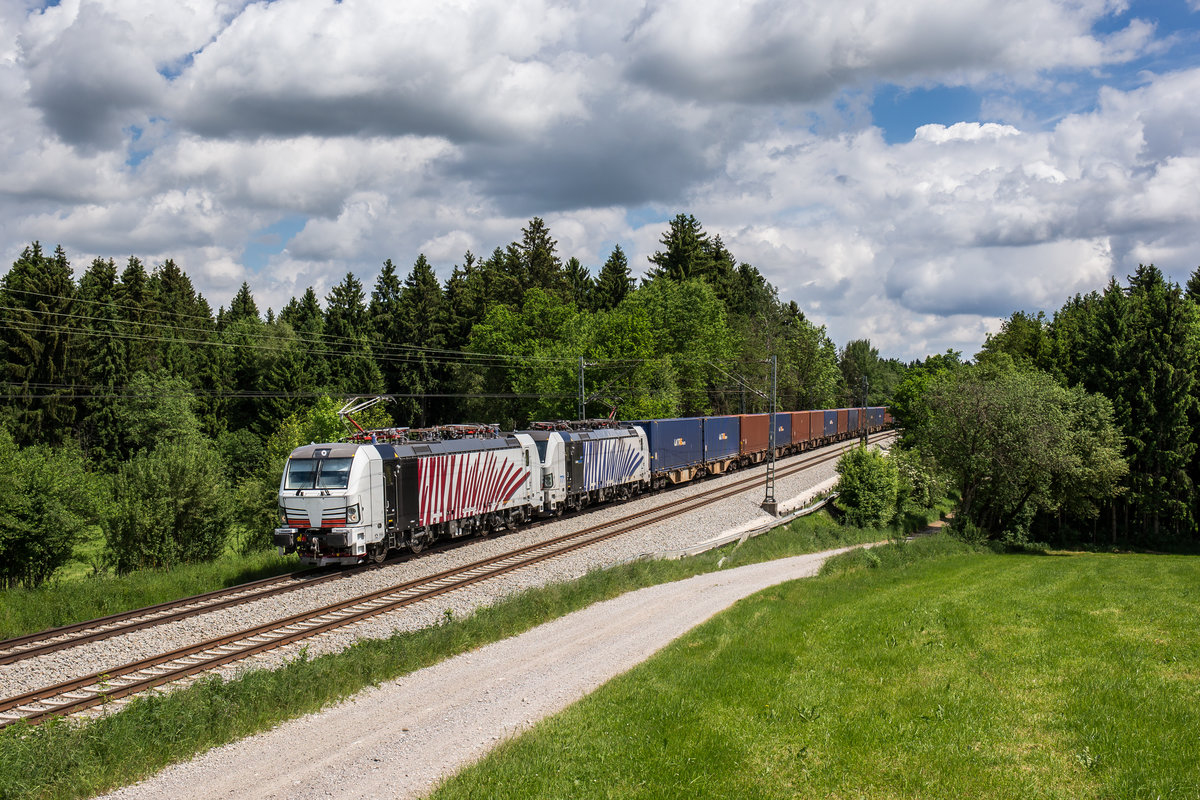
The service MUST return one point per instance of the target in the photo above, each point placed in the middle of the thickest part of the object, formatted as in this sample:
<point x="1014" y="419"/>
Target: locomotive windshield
<point x="318" y="473"/>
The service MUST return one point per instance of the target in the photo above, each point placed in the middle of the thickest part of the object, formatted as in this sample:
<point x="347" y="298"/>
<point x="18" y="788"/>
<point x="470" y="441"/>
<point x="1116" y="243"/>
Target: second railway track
<point x="118" y="682"/>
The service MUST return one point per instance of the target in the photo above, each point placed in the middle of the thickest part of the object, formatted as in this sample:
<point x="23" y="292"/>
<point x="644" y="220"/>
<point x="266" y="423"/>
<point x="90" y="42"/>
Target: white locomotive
<point x="351" y="502"/>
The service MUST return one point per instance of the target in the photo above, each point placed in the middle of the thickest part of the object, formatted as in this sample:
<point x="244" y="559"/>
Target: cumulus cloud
<point x="783" y="51"/>
<point x="465" y="71"/>
<point x="94" y="68"/>
<point x="382" y="130"/>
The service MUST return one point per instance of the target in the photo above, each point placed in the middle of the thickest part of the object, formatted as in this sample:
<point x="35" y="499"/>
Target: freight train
<point x="396" y="489"/>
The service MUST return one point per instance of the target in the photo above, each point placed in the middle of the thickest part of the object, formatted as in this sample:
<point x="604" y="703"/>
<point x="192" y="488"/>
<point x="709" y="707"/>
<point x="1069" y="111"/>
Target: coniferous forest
<point x="134" y="408"/>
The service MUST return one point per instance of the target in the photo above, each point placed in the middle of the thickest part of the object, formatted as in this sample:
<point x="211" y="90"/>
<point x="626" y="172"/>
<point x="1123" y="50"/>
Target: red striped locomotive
<point x="355" y="501"/>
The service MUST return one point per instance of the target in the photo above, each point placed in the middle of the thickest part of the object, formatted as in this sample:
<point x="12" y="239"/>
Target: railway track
<point x="124" y="681"/>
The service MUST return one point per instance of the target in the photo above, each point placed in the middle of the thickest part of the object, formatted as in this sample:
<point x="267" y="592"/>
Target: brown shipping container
<point x="843" y="420"/>
<point x="756" y="430"/>
<point x="799" y="427"/>
<point x="816" y="424"/>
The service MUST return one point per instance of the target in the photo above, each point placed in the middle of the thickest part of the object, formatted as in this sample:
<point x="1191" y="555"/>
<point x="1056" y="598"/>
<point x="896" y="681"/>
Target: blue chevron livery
<point x="610" y="462"/>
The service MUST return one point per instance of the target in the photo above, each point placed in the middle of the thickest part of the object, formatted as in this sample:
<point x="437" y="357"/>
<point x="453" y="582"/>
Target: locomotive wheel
<point x="378" y="554"/>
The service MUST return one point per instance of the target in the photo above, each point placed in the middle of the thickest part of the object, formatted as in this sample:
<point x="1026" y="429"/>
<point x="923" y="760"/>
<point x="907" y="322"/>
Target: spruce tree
<point x="422" y="315"/>
<point x="386" y="324"/>
<point x="1193" y="286"/>
<point x="242" y="306"/>
<point x="103" y="357"/>
<point x="540" y="264"/>
<point x="352" y="367"/>
<point x="180" y="323"/>
<point x="686" y="253"/>
<point x="308" y="322"/>
<point x="1163" y="359"/>
<point x="466" y="301"/>
<point x="37" y="301"/>
<point x="614" y="282"/>
<point x="581" y="286"/>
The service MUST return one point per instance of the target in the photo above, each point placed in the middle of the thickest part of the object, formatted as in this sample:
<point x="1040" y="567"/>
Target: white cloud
<point x="184" y="129"/>
<point x="788" y="51"/>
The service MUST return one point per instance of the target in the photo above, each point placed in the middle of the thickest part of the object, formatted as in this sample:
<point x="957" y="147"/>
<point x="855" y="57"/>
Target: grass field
<point x="894" y="676"/>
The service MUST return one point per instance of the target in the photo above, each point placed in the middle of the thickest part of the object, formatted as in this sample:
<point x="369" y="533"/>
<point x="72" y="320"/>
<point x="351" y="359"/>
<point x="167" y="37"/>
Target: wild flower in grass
<point x="1087" y="759"/>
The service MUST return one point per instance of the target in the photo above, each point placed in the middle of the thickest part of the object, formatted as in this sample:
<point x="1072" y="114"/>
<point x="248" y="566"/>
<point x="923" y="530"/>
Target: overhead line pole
<point x="769" y="503"/>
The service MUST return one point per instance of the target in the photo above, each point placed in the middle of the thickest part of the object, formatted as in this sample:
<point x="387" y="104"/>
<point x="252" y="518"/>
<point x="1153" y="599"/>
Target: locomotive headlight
<point x="352" y="514"/>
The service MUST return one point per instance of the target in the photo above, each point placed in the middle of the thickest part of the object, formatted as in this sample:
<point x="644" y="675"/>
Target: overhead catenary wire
<point x="411" y="353"/>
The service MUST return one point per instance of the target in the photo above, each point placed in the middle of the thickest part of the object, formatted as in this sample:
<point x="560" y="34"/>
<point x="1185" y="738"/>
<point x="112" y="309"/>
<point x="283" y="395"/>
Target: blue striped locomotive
<point x="589" y="462"/>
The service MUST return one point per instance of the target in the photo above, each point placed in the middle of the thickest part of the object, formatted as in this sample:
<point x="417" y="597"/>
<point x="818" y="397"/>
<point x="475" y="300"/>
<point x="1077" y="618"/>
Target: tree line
<point x="1085" y="423"/>
<point x="176" y="418"/>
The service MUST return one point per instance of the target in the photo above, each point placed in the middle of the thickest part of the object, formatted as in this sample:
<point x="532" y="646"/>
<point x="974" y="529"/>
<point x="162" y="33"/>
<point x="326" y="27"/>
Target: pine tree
<point x="387" y="325"/>
<point x="466" y="301"/>
<point x="422" y="316"/>
<point x="103" y="357"/>
<point x="1163" y="359"/>
<point x="687" y="252"/>
<point x="580" y="283"/>
<point x="614" y="282"/>
<point x="348" y="331"/>
<point x="540" y="264"/>
<point x="36" y="341"/>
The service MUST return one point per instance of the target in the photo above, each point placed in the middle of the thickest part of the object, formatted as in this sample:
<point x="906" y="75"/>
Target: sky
<point x="908" y="172"/>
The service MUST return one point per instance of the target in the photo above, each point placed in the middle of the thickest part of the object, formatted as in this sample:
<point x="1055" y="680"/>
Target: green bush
<point x="171" y="507"/>
<point x="867" y="487"/>
<point x="47" y="500"/>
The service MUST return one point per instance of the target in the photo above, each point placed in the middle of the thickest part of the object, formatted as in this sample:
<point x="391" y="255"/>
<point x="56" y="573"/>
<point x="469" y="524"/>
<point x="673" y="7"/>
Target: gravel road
<point x="400" y="739"/>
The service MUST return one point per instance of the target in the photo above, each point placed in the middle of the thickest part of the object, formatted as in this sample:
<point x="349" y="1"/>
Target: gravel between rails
<point x="400" y="739"/>
<point x="675" y="534"/>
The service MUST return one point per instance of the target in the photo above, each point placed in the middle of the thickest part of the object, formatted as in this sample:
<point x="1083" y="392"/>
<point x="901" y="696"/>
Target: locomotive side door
<point x="575" y="479"/>
<point x="391" y="497"/>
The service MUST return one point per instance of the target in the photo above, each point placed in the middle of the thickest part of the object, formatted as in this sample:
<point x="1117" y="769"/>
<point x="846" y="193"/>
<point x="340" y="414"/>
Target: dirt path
<point x="400" y="739"/>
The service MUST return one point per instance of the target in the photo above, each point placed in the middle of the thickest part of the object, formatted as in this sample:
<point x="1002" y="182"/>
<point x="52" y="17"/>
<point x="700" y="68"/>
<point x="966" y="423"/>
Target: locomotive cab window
<point x="318" y="473"/>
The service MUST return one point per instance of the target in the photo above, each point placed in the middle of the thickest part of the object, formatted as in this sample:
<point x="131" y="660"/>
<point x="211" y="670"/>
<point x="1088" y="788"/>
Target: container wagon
<point x="676" y="448"/>
<point x="754" y="437"/>
<point x="722" y="443"/>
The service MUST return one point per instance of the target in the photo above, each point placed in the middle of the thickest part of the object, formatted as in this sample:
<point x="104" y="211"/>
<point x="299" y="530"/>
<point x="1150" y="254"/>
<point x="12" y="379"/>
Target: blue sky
<point x="910" y="173"/>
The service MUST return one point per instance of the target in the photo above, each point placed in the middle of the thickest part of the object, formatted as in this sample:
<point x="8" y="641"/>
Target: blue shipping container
<point x="854" y="419"/>
<point x="783" y="429"/>
<point x="830" y="423"/>
<point x="720" y="438"/>
<point x="673" y="443"/>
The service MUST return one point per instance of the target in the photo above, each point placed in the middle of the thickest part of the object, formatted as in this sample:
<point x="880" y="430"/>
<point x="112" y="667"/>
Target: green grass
<point x="62" y="602"/>
<point x="914" y="671"/>
<point x="157" y="731"/>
